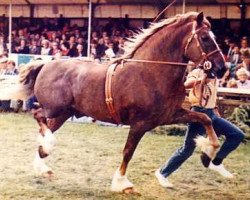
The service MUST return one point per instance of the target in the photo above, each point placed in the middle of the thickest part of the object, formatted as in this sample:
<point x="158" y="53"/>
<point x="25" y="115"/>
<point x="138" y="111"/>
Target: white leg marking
<point x="39" y="165"/>
<point x="47" y="141"/>
<point x="119" y="183"/>
<point x="205" y="146"/>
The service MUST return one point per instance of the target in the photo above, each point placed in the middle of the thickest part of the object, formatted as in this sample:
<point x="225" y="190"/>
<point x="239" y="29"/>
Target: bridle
<point x="204" y="63"/>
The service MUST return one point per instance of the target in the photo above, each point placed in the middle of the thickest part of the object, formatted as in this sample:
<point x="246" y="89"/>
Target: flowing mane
<point x="134" y="43"/>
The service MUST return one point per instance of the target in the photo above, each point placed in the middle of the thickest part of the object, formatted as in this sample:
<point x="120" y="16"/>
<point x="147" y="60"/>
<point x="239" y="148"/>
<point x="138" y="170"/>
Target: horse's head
<point x="202" y="49"/>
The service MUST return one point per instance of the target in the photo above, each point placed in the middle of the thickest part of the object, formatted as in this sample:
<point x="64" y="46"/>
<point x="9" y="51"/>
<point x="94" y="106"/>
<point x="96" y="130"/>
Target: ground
<point x="87" y="155"/>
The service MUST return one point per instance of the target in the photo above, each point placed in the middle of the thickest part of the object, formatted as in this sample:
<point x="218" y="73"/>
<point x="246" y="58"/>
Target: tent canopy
<point x="212" y="2"/>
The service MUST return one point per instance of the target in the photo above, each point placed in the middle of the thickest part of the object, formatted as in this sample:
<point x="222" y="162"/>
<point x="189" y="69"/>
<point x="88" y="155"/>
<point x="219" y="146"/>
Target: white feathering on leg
<point x="39" y="165"/>
<point x="47" y="141"/>
<point x="120" y="183"/>
<point x="205" y="146"/>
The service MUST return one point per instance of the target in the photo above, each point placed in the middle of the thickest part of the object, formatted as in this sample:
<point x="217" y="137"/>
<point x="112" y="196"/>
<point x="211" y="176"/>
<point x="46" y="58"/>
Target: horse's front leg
<point x="120" y="183"/>
<point x="184" y="116"/>
<point x="46" y="140"/>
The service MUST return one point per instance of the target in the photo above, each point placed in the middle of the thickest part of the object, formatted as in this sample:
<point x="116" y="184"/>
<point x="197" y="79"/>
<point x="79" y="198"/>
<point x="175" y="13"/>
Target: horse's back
<point x="66" y="84"/>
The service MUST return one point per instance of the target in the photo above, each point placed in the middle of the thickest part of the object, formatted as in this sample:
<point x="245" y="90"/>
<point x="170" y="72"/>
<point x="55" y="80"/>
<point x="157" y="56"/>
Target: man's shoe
<point x="164" y="182"/>
<point x="221" y="170"/>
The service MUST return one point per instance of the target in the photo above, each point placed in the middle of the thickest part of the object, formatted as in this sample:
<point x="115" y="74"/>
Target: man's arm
<point x="192" y="81"/>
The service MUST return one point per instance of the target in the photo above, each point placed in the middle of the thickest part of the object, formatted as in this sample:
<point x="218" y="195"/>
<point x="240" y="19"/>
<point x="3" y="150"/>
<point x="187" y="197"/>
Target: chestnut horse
<point x="147" y="86"/>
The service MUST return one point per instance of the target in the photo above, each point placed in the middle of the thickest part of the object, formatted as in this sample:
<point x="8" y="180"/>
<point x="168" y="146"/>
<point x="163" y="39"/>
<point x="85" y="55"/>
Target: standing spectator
<point x="231" y="44"/>
<point x="3" y="46"/>
<point x="244" y="46"/>
<point x="245" y="61"/>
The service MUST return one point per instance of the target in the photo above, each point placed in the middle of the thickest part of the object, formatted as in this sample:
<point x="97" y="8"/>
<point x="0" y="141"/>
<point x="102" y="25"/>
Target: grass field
<point x="86" y="156"/>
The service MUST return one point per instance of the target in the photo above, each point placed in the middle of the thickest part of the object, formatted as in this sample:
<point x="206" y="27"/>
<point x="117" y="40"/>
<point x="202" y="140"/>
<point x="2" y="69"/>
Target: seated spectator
<point x="100" y="49"/>
<point x="55" y="49"/>
<point x="34" y="48"/>
<point x="93" y="49"/>
<point x="11" y="68"/>
<point x="65" y="49"/>
<point x="232" y="83"/>
<point x="22" y="48"/>
<point x="83" y="42"/>
<point x="80" y="52"/>
<point x="243" y="76"/>
<point x="45" y="50"/>
<point x="109" y="53"/>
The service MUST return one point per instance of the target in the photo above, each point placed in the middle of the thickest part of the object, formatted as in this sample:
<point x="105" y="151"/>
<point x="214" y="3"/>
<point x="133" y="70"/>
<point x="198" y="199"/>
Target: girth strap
<point x="108" y="93"/>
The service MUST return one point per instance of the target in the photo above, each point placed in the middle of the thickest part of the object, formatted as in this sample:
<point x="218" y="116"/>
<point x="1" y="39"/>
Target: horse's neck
<point x="167" y="48"/>
<point x="165" y="45"/>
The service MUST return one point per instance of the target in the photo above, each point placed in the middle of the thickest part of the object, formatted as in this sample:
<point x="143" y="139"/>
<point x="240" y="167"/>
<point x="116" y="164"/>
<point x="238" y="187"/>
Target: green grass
<point x="86" y="156"/>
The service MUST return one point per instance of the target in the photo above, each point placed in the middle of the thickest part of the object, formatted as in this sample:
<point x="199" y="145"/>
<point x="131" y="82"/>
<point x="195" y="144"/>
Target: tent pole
<point x="183" y="7"/>
<point x="89" y="28"/>
<point x="10" y="26"/>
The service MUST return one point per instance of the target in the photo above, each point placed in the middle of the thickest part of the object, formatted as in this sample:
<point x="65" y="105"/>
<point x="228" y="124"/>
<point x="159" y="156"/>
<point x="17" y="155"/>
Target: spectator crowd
<point x="57" y="38"/>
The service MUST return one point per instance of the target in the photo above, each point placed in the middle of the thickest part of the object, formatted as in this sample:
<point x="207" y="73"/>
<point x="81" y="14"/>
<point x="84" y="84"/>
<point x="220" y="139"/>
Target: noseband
<point x="204" y="62"/>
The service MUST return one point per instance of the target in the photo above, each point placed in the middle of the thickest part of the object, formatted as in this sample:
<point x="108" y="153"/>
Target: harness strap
<point x="108" y="93"/>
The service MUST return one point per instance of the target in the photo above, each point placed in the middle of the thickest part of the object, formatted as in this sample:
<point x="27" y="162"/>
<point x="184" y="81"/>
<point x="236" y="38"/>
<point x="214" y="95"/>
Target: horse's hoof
<point x="205" y="159"/>
<point x="49" y="175"/>
<point x="130" y="191"/>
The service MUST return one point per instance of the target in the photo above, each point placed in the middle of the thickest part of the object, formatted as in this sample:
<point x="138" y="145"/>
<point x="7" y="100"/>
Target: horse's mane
<point x="132" y="44"/>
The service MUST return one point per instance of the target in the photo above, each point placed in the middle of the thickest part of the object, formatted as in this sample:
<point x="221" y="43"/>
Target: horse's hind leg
<point x="184" y="116"/>
<point x="46" y="139"/>
<point x="120" y="183"/>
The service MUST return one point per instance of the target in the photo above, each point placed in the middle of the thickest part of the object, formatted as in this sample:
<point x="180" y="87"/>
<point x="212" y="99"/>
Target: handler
<point x="202" y="97"/>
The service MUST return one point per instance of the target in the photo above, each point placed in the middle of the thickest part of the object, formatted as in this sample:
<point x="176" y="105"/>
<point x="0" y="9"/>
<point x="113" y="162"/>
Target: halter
<point x="205" y="63"/>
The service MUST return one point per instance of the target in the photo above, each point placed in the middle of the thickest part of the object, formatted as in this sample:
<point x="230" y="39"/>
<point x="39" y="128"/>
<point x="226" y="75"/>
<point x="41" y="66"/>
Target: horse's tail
<point x="24" y="88"/>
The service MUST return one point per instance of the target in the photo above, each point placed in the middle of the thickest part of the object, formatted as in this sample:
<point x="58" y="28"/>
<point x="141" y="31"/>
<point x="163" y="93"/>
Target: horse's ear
<point x="200" y="18"/>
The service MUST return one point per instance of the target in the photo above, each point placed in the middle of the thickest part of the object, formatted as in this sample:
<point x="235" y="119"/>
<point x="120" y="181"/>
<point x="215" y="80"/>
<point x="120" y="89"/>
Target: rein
<point x="153" y="62"/>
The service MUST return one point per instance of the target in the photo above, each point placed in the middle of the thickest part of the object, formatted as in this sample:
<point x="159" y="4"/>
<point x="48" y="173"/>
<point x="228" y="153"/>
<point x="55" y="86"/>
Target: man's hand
<point x="216" y="111"/>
